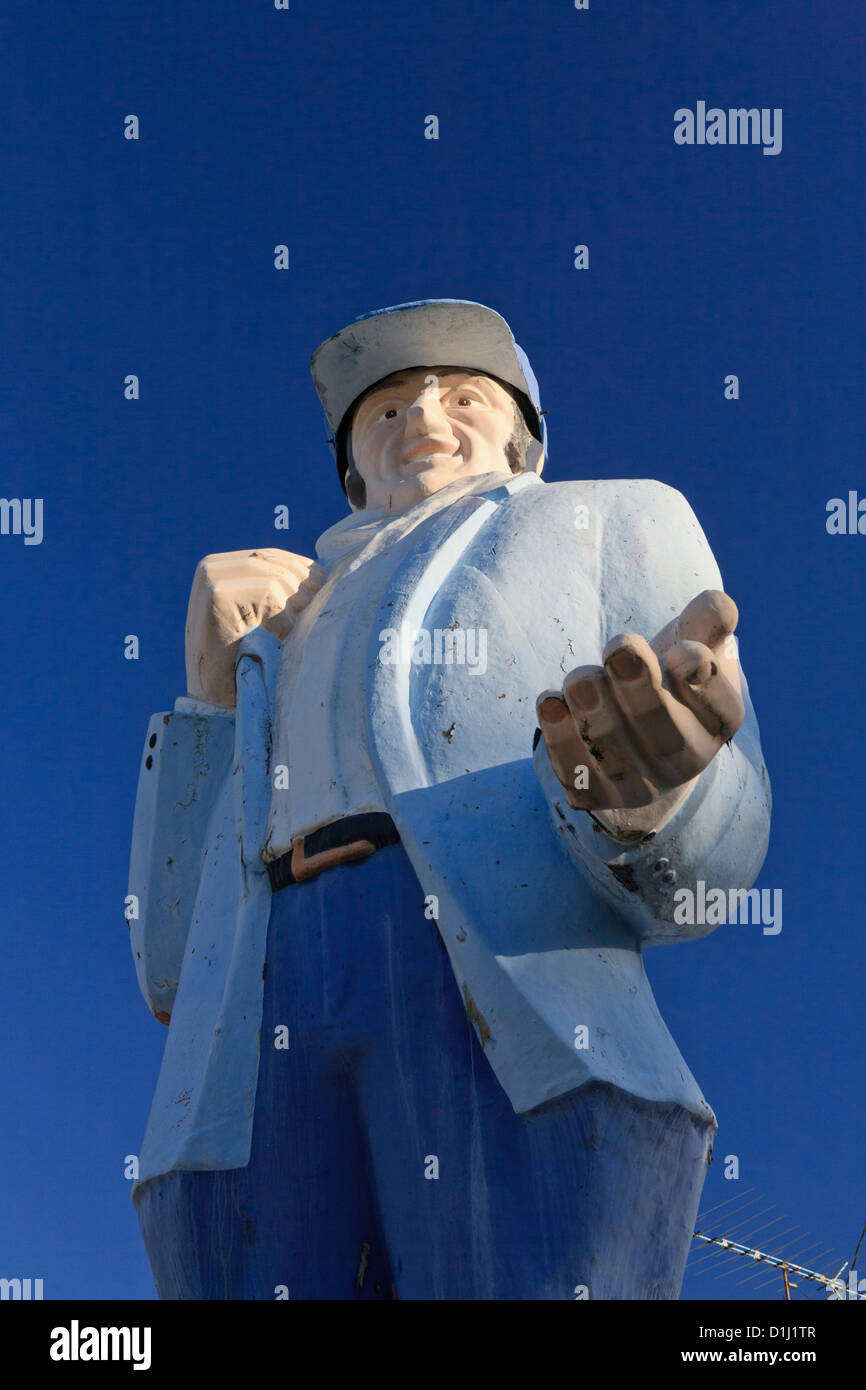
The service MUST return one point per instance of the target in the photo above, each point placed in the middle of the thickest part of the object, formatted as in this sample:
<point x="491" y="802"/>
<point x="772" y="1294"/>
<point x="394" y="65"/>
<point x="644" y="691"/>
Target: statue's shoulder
<point x="618" y="505"/>
<point x="609" y="494"/>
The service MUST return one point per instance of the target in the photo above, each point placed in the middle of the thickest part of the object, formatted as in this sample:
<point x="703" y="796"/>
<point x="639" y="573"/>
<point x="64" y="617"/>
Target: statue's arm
<point x="186" y="758"/>
<point x="718" y="835"/>
<point x="685" y="746"/>
<point x="188" y="754"/>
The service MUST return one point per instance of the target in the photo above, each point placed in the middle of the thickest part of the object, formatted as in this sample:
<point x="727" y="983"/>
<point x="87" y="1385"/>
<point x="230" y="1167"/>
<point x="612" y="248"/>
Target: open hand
<point x="624" y="734"/>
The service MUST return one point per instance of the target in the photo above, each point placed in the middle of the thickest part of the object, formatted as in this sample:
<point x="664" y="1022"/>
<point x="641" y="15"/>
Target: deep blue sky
<point x="156" y="257"/>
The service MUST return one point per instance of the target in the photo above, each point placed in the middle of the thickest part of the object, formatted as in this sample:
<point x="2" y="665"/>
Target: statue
<point x="398" y="851"/>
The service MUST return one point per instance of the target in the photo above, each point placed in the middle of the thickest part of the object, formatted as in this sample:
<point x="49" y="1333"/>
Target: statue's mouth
<point x="430" y="448"/>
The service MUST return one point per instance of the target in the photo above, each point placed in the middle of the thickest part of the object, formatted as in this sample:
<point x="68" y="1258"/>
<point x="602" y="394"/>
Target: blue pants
<point x="387" y="1161"/>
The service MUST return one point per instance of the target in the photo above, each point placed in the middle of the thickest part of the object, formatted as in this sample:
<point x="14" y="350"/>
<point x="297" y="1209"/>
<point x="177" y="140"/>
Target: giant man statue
<point x="398" y="851"/>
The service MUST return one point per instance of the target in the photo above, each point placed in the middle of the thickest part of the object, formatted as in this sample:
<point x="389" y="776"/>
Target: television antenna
<point x="729" y="1229"/>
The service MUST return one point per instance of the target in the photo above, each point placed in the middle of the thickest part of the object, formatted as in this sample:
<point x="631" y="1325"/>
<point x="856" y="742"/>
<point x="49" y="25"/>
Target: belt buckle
<point x="304" y="869"/>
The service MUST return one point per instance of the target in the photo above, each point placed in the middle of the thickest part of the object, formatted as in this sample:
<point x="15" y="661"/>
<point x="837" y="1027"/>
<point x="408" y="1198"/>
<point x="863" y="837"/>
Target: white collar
<point x="347" y="537"/>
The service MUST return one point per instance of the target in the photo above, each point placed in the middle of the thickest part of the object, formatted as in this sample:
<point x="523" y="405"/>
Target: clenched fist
<point x="636" y="731"/>
<point x="232" y="593"/>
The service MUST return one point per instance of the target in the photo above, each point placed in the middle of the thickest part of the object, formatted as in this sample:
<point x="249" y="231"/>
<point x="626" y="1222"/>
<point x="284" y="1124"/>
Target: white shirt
<point x="320" y="720"/>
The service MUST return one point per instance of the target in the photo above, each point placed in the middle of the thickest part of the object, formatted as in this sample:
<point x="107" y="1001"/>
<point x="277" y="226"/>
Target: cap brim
<point x="427" y="333"/>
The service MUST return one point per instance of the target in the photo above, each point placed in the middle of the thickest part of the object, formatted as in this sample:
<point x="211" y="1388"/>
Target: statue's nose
<point x="424" y="413"/>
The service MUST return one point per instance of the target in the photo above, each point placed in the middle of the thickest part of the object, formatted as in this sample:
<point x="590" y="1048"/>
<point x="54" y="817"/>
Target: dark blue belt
<point x="345" y="841"/>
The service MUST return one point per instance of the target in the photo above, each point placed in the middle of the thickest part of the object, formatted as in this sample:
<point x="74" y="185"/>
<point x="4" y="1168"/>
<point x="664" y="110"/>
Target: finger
<point x="301" y="579"/>
<point x="303" y="595"/>
<point x="277" y="613"/>
<point x="269" y="603"/>
<point x="583" y="781"/>
<point x="242" y="580"/>
<point x="710" y="619"/>
<point x="230" y="561"/>
<point x="258" y="564"/>
<point x="280" y="624"/>
<point x="245" y="567"/>
<point x="244" y="607"/>
<point x="698" y="682"/>
<point x="282" y="559"/>
<point x="635" y="679"/>
<point x="317" y="576"/>
<point x="297" y="567"/>
<point x="670" y="742"/>
<point x="608" y="739"/>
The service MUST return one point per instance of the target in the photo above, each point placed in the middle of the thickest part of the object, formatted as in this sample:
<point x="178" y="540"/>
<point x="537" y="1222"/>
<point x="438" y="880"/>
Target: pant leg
<point x="300" y="1216"/>
<point x="596" y="1191"/>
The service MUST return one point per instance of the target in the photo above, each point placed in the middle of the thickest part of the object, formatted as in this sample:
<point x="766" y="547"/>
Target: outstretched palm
<point x="625" y="734"/>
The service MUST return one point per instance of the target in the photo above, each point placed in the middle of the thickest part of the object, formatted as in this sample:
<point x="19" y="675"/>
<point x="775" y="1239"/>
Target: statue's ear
<point x="534" y="457"/>
<point x="356" y="488"/>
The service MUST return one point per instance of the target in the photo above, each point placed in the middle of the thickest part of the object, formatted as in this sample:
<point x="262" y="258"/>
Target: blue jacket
<point x="543" y="915"/>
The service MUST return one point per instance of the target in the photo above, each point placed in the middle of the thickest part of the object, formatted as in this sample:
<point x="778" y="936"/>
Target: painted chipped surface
<point x="475" y="1017"/>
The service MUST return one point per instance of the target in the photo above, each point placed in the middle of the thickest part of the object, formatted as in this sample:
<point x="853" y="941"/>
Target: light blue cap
<point x="423" y="333"/>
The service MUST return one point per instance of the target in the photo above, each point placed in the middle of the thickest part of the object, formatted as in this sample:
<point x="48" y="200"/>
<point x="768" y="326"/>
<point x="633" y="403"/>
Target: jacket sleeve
<point x="186" y="758"/>
<point x="718" y="837"/>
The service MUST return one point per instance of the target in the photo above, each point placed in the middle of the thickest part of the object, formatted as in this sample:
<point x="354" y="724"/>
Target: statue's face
<point x="418" y="431"/>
